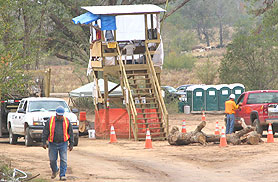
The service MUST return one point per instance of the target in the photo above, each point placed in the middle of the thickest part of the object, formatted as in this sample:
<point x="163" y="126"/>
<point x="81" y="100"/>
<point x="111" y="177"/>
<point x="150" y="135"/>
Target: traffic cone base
<point x="183" y="130"/>
<point x="113" y="138"/>
<point x="203" y="116"/>
<point x="148" y="144"/>
<point x="223" y="141"/>
<point x="270" y="138"/>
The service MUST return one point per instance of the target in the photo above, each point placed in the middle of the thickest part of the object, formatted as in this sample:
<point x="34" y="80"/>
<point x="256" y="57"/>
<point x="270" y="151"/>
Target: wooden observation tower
<point x="125" y="44"/>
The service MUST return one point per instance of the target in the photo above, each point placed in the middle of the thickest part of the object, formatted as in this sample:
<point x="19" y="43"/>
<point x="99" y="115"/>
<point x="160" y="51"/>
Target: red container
<point x="82" y="116"/>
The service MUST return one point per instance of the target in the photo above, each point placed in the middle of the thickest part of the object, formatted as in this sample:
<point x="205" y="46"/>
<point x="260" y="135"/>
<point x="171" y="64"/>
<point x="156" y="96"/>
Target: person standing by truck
<point x="230" y="107"/>
<point x="58" y="131"/>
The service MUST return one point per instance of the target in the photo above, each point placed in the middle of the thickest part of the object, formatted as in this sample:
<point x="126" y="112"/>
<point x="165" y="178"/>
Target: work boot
<point x="63" y="178"/>
<point x="54" y="174"/>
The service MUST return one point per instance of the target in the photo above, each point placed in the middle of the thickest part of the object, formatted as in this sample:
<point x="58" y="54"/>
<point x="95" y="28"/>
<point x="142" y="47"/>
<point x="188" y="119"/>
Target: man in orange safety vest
<point x="58" y="131"/>
<point x="230" y="107"/>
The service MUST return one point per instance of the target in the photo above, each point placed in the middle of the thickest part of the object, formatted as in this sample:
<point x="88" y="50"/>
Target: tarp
<point x="85" y="18"/>
<point x="107" y="22"/>
<point x="87" y="90"/>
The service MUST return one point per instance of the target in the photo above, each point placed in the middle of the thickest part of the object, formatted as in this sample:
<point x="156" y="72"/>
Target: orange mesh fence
<point x="119" y="118"/>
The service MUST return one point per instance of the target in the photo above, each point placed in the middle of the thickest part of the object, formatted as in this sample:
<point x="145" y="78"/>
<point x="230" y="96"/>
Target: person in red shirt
<point x="230" y="107"/>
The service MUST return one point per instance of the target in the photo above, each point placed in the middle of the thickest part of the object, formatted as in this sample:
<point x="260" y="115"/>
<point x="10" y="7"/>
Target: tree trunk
<point x="220" y="33"/>
<point x="206" y="37"/>
<point x="178" y="138"/>
<point x="197" y="136"/>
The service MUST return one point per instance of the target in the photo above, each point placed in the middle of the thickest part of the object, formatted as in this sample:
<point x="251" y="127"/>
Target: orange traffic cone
<point x="223" y="141"/>
<point x="148" y="144"/>
<point x="183" y="130"/>
<point x="217" y="132"/>
<point x="270" y="138"/>
<point x="113" y="138"/>
<point x="203" y="116"/>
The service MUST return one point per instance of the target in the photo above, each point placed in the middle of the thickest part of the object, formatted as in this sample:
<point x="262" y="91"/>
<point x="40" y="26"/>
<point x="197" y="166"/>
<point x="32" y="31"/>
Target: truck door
<point x="19" y="118"/>
<point x="240" y="111"/>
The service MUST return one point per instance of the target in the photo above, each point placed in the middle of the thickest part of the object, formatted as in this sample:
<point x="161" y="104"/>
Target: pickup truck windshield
<point x="35" y="106"/>
<point x="264" y="97"/>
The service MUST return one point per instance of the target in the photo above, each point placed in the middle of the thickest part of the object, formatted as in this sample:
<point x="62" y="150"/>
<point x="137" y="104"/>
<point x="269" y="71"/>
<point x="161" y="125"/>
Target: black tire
<point x="75" y="142"/>
<point x="28" y="138"/>
<point x="258" y="126"/>
<point x="12" y="137"/>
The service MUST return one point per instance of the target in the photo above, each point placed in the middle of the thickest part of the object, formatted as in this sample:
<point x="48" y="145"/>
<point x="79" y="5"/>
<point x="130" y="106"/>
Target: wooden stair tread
<point x="150" y="118"/>
<point x="149" y="123"/>
<point x="153" y="128"/>
<point x="147" y="103"/>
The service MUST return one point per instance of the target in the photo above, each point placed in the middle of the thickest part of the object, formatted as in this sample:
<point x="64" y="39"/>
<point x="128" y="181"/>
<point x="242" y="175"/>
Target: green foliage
<point x="252" y="61"/>
<point x="207" y="72"/>
<point x="83" y="103"/>
<point x="181" y="61"/>
<point x="172" y="106"/>
<point x="252" y="58"/>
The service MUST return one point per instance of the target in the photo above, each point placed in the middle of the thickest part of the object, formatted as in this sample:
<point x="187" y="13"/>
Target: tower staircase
<point x="143" y="99"/>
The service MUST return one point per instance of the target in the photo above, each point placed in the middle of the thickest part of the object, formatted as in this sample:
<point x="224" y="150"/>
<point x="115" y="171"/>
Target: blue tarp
<point x="107" y="22"/>
<point x="85" y="18"/>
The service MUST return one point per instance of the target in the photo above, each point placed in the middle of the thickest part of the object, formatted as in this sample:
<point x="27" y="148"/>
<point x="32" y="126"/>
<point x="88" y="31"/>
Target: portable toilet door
<point x="224" y="93"/>
<point x="211" y="98"/>
<point x="189" y="97"/>
<point x="198" y="95"/>
<point x="237" y="89"/>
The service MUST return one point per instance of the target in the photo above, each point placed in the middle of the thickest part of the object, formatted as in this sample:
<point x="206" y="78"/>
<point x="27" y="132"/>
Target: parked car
<point x="183" y="88"/>
<point x="173" y="93"/>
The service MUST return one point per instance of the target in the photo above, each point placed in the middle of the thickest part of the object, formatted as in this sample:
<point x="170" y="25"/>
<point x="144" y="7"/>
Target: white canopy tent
<point x="88" y="89"/>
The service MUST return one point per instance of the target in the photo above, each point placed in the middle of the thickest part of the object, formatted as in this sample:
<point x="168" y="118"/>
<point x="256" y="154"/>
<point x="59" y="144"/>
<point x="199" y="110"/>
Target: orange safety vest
<point x="230" y="107"/>
<point x="52" y="129"/>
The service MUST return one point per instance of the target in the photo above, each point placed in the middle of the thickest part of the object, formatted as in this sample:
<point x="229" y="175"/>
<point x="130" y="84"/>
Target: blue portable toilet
<point x="237" y="89"/>
<point x="211" y="99"/>
<point x="223" y="96"/>
<point x="196" y="97"/>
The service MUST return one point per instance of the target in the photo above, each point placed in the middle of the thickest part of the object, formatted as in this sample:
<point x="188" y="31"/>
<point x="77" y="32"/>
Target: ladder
<point x="144" y="101"/>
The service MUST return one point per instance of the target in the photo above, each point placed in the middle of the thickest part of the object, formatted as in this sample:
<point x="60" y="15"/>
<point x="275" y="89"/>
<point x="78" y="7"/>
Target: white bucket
<point x="187" y="109"/>
<point x="92" y="134"/>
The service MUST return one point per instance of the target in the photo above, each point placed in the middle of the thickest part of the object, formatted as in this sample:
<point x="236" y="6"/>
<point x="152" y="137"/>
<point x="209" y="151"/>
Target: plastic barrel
<point x="82" y="116"/>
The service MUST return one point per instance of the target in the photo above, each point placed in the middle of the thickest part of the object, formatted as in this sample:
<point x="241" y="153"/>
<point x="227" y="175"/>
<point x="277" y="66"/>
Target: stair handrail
<point x="131" y="103"/>
<point x="157" y="90"/>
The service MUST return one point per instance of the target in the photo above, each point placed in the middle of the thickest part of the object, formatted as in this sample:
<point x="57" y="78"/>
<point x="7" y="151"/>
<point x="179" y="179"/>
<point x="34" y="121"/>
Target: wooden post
<point x="47" y="74"/>
<point x="146" y="26"/>
<point x="106" y="100"/>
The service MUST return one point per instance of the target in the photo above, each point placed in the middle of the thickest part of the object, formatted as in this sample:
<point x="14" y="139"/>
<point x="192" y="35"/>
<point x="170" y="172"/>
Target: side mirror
<point x="75" y="110"/>
<point x="21" y="111"/>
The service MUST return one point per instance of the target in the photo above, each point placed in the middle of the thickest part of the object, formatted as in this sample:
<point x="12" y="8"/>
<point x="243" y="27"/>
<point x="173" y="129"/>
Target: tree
<point x="252" y="58"/>
<point x="207" y="72"/>
<point x="13" y="80"/>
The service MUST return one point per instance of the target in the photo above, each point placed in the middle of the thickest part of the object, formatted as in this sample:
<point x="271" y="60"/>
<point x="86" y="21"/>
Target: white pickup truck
<point x="31" y="115"/>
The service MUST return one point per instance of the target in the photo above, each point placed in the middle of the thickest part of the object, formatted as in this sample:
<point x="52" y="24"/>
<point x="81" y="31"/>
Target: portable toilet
<point x="223" y="96"/>
<point x="196" y="97"/>
<point x="237" y="89"/>
<point x="211" y="99"/>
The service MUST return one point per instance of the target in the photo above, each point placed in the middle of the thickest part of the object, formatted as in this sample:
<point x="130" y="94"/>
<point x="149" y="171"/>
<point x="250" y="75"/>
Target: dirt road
<point x="99" y="161"/>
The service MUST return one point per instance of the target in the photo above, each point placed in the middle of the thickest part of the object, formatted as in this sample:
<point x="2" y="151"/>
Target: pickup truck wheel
<point x="75" y="143"/>
<point x="258" y="126"/>
<point x="12" y="137"/>
<point x="28" y="138"/>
